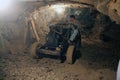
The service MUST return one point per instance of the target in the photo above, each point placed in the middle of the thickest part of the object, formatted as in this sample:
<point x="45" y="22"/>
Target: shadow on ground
<point x="97" y="57"/>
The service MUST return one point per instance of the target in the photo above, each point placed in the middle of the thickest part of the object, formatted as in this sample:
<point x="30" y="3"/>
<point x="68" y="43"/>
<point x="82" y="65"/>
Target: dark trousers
<point x="64" y="50"/>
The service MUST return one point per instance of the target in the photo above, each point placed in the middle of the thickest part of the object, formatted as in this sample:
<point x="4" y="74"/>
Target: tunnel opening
<point x="96" y="29"/>
<point x="94" y="26"/>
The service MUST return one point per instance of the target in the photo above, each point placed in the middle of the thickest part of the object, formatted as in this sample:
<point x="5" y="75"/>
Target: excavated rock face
<point x="94" y="23"/>
<point x="107" y="7"/>
<point x="12" y="36"/>
<point x="110" y="8"/>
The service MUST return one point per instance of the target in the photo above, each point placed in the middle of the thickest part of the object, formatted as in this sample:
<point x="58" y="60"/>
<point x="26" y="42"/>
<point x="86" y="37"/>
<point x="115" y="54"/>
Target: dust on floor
<point x="96" y="63"/>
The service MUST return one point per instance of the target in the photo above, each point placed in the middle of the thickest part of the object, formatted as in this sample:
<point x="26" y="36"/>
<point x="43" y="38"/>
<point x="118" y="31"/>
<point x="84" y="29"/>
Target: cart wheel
<point x="33" y="49"/>
<point x="69" y="54"/>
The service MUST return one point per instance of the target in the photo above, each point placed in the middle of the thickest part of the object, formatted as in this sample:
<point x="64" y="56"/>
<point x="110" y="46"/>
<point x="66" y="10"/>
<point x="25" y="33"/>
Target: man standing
<point x="74" y="29"/>
<point x="74" y="37"/>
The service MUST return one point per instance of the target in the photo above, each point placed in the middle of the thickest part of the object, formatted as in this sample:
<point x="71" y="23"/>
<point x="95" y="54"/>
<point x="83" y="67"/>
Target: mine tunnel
<point x="59" y="39"/>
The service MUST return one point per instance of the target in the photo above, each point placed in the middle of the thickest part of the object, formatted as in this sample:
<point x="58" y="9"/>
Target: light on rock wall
<point x="59" y="8"/>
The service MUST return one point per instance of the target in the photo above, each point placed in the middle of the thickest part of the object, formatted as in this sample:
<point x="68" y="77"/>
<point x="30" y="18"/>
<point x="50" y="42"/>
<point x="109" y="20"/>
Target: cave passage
<point x="29" y="43"/>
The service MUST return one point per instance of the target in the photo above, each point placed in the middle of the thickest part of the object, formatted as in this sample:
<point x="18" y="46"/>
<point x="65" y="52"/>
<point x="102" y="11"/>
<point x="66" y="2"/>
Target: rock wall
<point x="12" y="36"/>
<point x="107" y="7"/>
<point x="45" y="16"/>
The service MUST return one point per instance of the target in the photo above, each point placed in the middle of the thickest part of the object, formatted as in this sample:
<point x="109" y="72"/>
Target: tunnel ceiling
<point x="107" y="7"/>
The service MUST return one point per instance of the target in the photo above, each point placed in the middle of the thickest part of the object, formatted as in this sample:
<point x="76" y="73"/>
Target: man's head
<point x="72" y="18"/>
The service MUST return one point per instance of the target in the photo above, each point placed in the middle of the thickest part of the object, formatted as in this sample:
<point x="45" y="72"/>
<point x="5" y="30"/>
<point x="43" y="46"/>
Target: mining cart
<point x="56" y="39"/>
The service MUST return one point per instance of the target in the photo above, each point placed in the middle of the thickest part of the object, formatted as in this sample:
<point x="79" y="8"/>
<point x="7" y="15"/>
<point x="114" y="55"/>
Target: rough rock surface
<point x="108" y="7"/>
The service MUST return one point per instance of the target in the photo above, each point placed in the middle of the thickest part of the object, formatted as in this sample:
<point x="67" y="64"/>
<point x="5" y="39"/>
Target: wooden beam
<point x="34" y="29"/>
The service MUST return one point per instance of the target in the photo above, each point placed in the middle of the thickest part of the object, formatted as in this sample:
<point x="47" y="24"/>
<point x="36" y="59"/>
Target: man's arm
<point x="72" y="37"/>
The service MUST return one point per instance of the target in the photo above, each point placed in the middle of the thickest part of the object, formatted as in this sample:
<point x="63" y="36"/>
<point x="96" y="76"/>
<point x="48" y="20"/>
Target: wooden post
<point x="34" y="30"/>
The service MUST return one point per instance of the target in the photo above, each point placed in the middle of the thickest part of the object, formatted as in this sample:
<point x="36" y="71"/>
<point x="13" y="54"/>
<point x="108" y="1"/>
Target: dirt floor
<point x="95" y="63"/>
